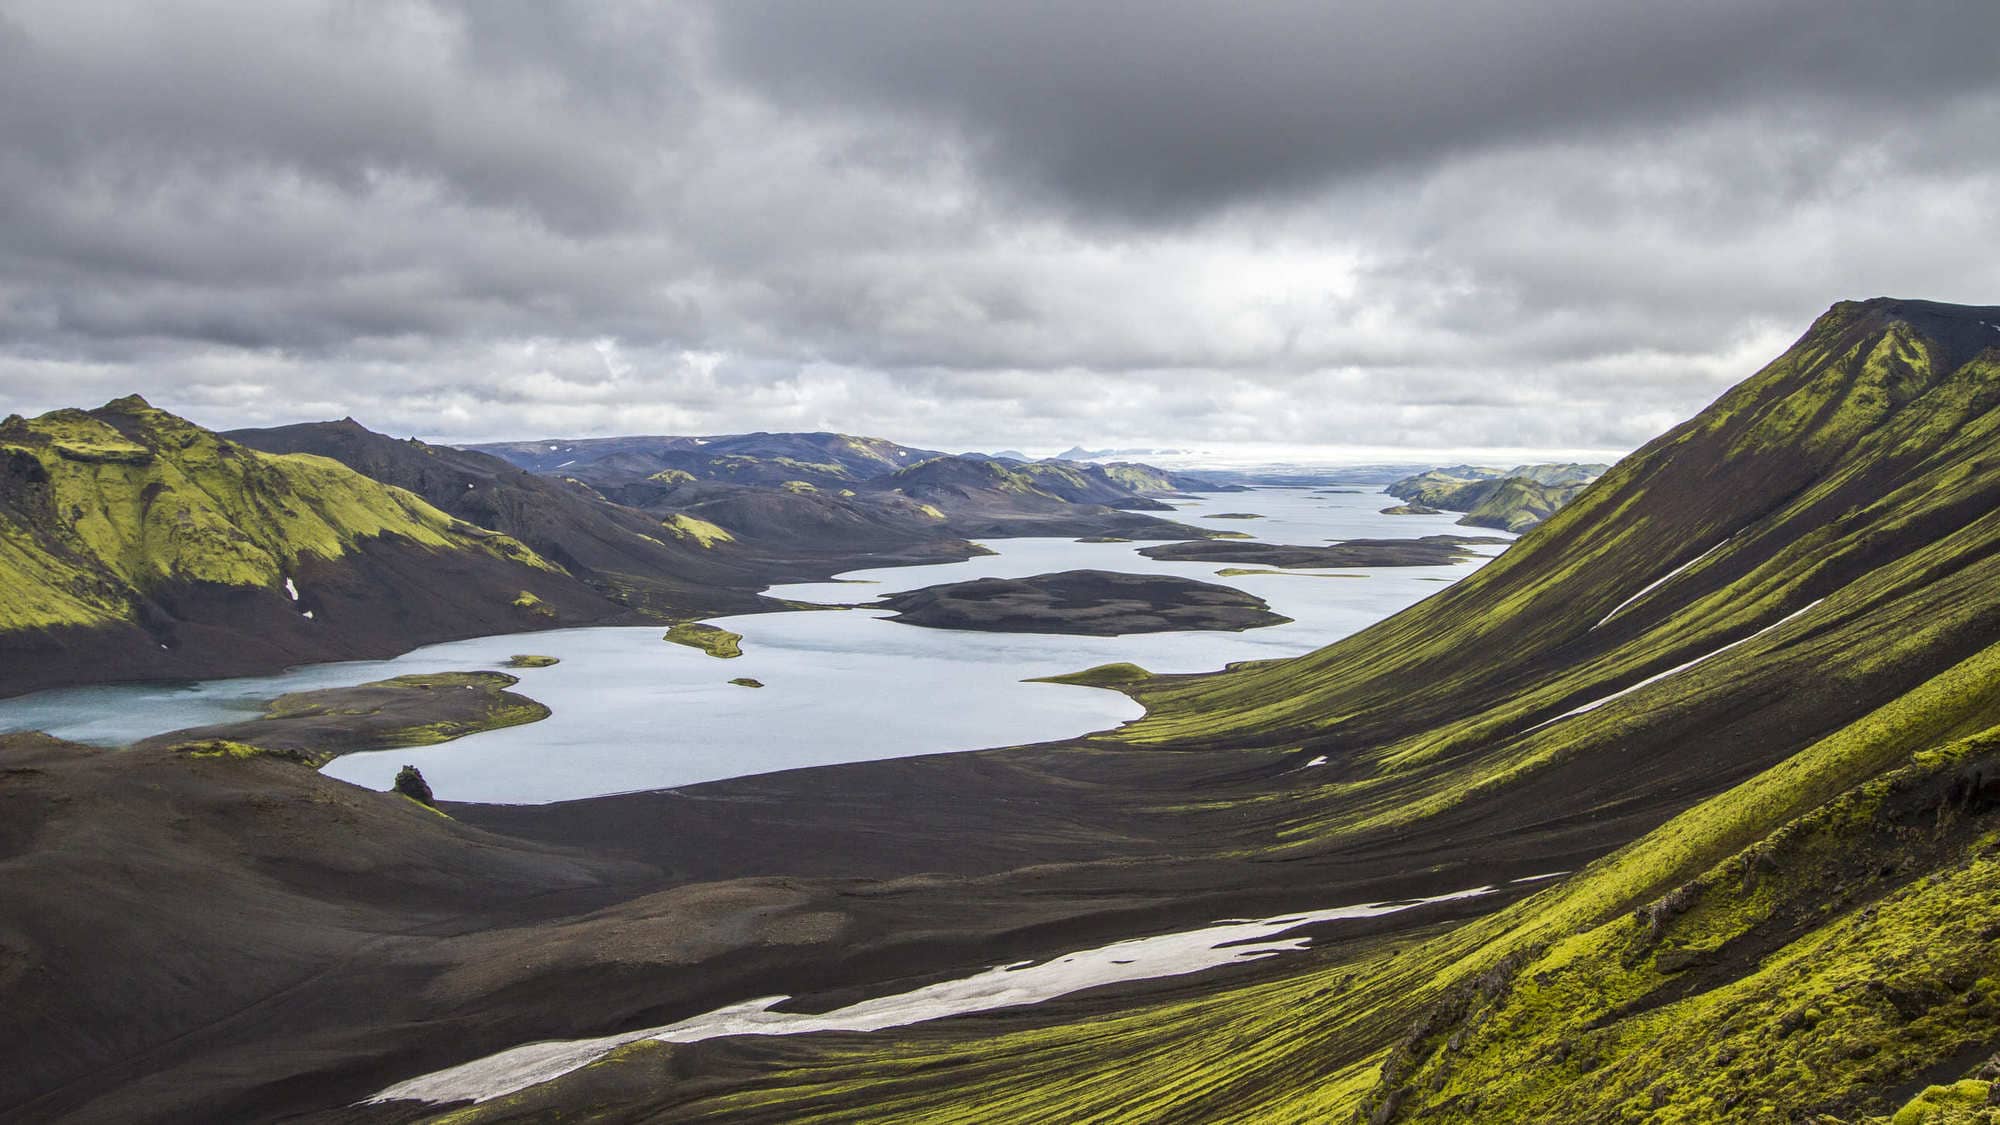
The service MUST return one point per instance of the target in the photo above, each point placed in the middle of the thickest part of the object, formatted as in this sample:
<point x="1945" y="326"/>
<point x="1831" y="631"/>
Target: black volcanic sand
<point x="1094" y="603"/>
<point x="318" y="726"/>
<point x="286" y="943"/>
<point x="198" y="939"/>
<point x="1431" y="550"/>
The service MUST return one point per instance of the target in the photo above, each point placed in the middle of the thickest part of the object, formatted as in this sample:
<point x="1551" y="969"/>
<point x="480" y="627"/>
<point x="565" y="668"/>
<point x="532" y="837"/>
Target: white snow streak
<point x="1659" y="582"/>
<point x="1008" y="986"/>
<point x="1675" y="670"/>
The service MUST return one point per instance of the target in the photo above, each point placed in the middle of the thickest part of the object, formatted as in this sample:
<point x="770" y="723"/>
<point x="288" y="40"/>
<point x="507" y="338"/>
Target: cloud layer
<point x="1557" y="224"/>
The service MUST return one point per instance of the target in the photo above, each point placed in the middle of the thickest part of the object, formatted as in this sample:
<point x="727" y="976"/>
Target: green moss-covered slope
<point x="1762" y="651"/>
<point x="126" y="531"/>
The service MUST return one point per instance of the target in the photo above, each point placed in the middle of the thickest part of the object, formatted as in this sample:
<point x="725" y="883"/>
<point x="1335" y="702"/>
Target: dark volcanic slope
<point x="1097" y="603"/>
<point x="765" y="515"/>
<point x="926" y="515"/>
<point x="628" y="554"/>
<point x="788" y="496"/>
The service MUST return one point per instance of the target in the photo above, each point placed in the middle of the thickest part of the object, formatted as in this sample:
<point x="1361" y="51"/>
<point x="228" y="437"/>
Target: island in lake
<point x="1431" y="550"/>
<point x="1097" y="603"/>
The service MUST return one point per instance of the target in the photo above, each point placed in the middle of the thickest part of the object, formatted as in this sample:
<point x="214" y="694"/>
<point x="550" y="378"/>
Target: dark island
<point x="1097" y="603"/>
<point x="1431" y="550"/>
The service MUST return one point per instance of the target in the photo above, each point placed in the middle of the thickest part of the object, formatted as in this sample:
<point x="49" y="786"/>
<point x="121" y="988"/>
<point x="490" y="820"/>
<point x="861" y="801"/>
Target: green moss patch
<point x="317" y="726"/>
<point x="696" y="530"/>
<point x="715" y="641"/>
<point x="1101" y="676"/>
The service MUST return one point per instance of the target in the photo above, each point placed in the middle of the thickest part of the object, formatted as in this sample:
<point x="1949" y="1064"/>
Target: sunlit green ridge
<point x="101" y="507"/>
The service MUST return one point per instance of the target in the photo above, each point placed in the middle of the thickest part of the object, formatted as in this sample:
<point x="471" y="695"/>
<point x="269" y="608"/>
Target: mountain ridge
<point x="139" y="545"/>
<point x="630" y="556"/>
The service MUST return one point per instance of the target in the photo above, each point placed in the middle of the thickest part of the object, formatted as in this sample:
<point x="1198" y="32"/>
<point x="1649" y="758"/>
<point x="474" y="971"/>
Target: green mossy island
<point x="315" y="727"/>
<point x="1101" y="676"/>
<point x="715" y="641"/>
<point x="746" y="681"/>
<point x="529" y="660"/>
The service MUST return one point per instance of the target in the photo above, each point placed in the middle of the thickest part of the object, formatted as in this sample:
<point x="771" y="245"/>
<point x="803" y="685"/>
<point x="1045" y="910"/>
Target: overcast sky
<point x="1560" y="224"/>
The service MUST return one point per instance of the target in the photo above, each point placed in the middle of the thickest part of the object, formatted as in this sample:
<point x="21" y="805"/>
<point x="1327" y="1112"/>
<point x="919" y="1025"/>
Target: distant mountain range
<point x="136" y="545"/>
<point x="759" y="458"/>
<point x="1079" y="453"/>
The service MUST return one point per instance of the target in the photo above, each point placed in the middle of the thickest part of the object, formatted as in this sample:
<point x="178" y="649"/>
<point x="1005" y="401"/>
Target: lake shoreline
<point x="612" y="687"/>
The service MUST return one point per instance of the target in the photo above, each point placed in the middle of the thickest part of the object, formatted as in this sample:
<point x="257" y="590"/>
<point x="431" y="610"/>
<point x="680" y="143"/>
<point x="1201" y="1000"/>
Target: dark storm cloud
<point x="1554" y="223"/>
<point x="1146" y="109"/>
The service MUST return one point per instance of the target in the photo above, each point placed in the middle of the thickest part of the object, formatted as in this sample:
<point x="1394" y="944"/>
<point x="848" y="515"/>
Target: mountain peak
<point x="1958" y="332"/>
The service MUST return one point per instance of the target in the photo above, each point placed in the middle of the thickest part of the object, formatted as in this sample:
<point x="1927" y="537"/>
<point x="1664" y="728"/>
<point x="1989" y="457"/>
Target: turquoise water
<point x="633" y="712"/>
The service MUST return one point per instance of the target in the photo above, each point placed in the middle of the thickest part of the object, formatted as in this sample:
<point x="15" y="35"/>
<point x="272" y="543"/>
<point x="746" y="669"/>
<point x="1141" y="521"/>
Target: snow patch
<point x="308" y="615"/>
<point x="1319" y="761"/>
<point x="292" y="588"/>
<point x="567" y="464"/>
<point x="1006" y="986"/>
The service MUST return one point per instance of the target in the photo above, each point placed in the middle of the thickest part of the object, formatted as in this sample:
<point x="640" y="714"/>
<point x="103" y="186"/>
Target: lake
<point x="632" y="712"/>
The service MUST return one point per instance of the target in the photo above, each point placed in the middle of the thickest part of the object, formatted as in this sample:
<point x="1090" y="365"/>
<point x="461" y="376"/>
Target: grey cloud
<point x="1162" y="109"/>
<point x="1557" y="224"/>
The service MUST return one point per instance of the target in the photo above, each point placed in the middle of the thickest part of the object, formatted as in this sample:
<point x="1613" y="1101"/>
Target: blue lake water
<point x="632" y="712"/>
